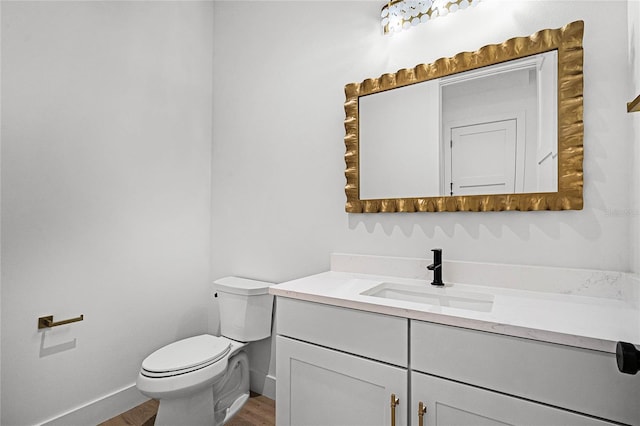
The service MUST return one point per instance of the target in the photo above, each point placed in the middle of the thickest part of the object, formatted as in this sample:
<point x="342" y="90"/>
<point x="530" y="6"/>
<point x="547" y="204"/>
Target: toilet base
<point x="213" y="405"/>
<point x="198" y="408"/>
<point x="195" y="409"/>
<point x="235" y="407"/>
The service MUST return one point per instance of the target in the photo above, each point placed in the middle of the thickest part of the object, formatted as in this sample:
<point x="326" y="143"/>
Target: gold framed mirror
<point x="568" y="128"/>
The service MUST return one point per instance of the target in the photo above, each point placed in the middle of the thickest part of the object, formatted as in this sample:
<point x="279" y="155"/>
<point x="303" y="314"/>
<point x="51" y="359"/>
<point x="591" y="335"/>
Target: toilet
<point x="204" y="380"/>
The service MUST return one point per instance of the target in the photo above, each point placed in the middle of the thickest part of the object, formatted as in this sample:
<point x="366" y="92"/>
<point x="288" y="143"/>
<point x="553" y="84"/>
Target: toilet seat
<point x="185" y="356"/>
<point x="182" y="382"/>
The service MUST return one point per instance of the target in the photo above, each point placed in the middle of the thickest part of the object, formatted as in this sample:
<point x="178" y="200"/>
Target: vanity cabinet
<point x="337" y="366"/>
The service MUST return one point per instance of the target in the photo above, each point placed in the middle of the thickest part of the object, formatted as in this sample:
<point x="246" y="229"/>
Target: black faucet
<point x="436" y="267"/>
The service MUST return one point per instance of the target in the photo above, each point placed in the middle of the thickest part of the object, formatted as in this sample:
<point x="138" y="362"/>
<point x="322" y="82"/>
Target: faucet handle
<point x="437" y="255"/>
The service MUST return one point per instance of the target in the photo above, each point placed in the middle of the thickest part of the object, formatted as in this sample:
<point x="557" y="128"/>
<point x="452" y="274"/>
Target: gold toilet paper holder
<point x="47" y="321"/>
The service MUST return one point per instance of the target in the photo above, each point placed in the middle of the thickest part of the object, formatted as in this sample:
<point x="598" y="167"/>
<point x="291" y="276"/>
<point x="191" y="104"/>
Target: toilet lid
<point x="186" y="355"/>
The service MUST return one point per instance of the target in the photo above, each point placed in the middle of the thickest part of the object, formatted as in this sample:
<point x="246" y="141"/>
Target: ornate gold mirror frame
<point x="568" y="42"/>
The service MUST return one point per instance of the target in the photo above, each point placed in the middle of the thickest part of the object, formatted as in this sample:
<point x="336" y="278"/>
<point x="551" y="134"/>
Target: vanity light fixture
<point x="398" y="15"/>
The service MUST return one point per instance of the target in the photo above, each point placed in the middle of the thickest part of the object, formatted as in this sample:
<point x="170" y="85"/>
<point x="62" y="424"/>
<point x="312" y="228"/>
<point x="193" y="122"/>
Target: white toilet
<point x="204" y="380"/>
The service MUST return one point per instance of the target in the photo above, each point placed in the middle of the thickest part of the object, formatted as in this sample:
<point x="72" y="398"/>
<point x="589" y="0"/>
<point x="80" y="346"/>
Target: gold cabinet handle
<point x="47" y="322"/>
<point x="422" y="409"/>
<point x="394" y="402"/>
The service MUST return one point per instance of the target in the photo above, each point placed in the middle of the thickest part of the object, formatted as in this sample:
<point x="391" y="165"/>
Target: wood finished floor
<point x="258" y="411"/>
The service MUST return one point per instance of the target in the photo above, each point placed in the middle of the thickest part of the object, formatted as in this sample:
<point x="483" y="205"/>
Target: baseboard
<point x="109" y="406"/>
<point x="269" y="389"/>
<point x="101" y="409"/>
<point x="264" y="384"/>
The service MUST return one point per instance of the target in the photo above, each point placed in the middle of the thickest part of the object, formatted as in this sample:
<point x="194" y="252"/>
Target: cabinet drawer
<point x="376" y="336"/>
<point x="577" y="379"/>
<point x="451" y="403"/>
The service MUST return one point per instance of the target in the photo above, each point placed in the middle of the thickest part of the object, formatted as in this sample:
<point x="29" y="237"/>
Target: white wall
<point x="106" y="145"/>
<point x="402" y="160"/>
<point x="0" y="218"/>
<point x="634" y="66"/>
<point x="278" y="138"/>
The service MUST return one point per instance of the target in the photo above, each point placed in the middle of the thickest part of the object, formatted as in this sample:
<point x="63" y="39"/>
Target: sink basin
<point x="433" y="296"/>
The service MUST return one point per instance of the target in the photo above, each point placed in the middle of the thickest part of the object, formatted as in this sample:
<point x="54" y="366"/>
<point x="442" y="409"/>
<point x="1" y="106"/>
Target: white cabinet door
<point x="451" y="403"/>
<point x="320" y="386"/>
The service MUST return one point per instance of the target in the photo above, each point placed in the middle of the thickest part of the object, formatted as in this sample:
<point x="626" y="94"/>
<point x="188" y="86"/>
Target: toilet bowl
<point x="204" y="379"/>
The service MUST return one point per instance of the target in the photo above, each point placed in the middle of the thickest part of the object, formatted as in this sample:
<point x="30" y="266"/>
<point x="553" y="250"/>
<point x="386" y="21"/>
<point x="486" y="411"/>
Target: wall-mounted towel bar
<point x="47" y="322"/>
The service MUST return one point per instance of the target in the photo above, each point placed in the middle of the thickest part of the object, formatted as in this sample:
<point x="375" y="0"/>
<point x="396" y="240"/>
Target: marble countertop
<point x="589" y="322"/>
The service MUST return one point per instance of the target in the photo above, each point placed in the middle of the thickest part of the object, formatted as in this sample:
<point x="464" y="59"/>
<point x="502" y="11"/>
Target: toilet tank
<point x="245" y="308"/>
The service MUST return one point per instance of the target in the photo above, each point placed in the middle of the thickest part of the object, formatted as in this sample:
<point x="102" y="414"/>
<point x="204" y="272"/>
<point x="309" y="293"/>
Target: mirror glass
<point x="486" y="131"/>
<point x="479" y="131"/>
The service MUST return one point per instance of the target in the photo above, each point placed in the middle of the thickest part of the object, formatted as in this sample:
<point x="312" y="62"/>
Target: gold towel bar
<point x="47" y="322"/>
